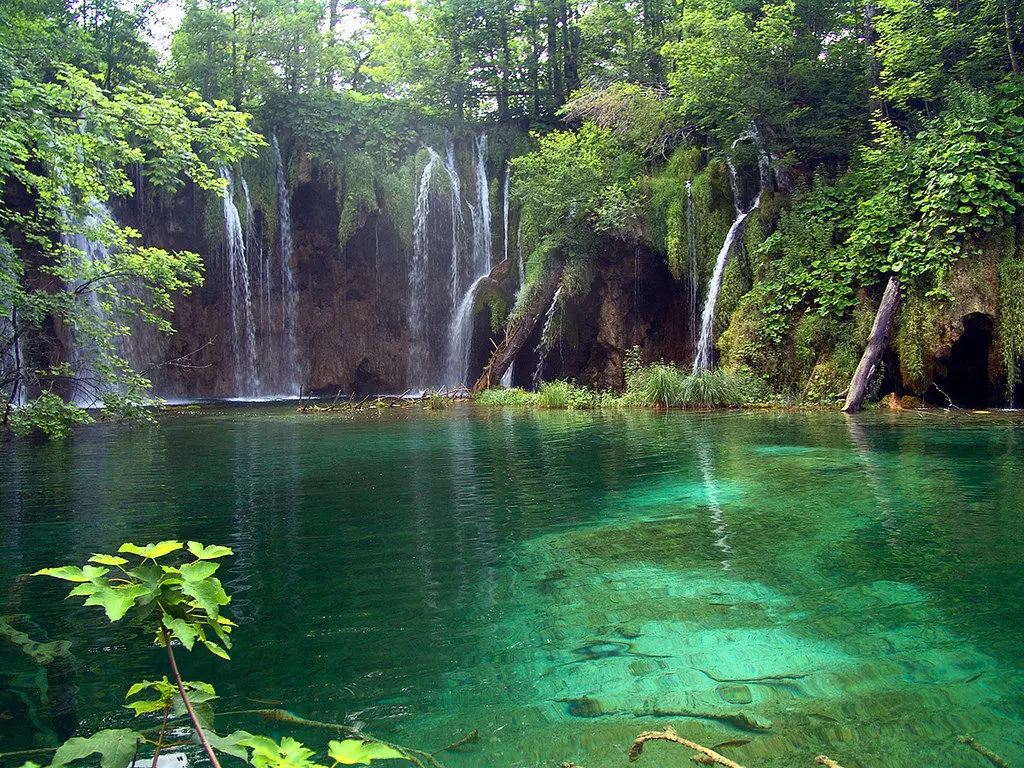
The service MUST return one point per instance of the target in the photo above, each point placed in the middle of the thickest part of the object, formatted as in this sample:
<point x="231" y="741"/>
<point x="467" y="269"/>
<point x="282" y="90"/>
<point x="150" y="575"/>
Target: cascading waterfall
<point x="457" y="223"/>
<point x="519" y="253"/>
<point x="12" y="364"/>
<point x="292" y="373"/>
<point x="702" y="360"/>
<point x="546" y="338"/>
<point x="243" y="337"/>
<point x="504" y="206"/>
<point x="458" y="341"/>
<point x="441" y="331"/>
<point x="692" y="266"/>
<point x="87" y="350"/>
<point x="461" y="330"/>
<point x="418" y="274"/>
<point x="481" y="261"/>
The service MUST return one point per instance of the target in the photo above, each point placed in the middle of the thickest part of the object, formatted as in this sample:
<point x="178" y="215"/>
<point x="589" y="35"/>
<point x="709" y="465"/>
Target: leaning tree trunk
<point x="516" y="335"/>
<point x="881" y="331"/>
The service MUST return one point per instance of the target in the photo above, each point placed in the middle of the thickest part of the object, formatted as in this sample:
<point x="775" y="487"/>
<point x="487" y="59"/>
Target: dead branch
<point x="670" y="735"/>
<point x="472" y="738"/>
<point x="984" y="751"/>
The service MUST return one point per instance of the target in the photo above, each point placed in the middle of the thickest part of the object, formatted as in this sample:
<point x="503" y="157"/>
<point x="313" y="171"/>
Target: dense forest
<point x="749" y="186"/>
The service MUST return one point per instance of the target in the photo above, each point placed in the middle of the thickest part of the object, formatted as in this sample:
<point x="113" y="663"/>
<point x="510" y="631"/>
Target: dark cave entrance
<point x="967" y="379"/>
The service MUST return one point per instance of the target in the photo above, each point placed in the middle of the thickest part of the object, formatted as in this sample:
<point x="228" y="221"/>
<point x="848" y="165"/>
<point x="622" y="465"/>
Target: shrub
<point x="506" y="397"/>
<point x="564" y="394"/>
<point x="661" y="386"/>
<point x="716" y="389"/>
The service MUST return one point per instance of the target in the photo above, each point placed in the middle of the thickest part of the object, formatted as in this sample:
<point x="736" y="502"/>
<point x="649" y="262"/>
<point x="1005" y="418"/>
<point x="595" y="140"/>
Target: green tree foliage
<point x="71" y="140"/>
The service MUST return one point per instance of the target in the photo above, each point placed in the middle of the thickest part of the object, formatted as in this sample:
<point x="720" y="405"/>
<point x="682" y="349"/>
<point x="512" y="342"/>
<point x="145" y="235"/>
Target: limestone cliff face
<point x="351" y="327"/>
<point x="631" y="299"/>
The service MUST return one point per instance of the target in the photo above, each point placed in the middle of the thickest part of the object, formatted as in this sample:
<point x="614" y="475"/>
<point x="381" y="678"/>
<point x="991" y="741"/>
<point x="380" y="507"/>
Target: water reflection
<point x="551" y="574"/>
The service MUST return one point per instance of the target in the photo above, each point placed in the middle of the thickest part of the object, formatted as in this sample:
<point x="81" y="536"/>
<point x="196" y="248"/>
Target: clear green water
<point x="561" y="581"/>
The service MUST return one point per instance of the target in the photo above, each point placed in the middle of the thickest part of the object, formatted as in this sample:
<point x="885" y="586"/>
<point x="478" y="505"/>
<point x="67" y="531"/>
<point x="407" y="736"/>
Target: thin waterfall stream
<point x="243" y="330"/>
<point x="441" y="333"/>
<point x="418" y="274"/>
<point x="702" y="359"/>
<point x="290" y="362"/>
<point x="544" y="346"/>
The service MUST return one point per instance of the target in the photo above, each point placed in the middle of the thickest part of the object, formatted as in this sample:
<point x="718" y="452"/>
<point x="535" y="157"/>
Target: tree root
<point x="712" y="757"/>
<point x="984" y="751"/>
<point x="472" y="738"/>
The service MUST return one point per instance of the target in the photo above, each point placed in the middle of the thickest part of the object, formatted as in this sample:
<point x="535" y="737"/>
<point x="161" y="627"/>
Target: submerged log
<point x="881" y="332"/>
<point x="537" y="303"/>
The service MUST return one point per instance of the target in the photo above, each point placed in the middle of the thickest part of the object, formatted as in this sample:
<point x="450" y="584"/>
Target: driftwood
<point x="984" y="751"/>
<point x="713" y="758"/>
<point x="881" y="331"/>
<point x="827" y="761"/>
<point x="516" y="334"/>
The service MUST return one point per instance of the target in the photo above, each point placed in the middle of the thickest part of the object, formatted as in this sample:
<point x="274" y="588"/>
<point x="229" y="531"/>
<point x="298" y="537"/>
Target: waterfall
<point x="456" y="214"/>
<point x="519" y="253"/>
<point x="506" y="379"/>
<point x="419" y="347"/>
<point x="692" y="267"/>
<point x="442" y="331"/>
<point x="481" y="257"/>
<point x="544" y="345"/>
<point x="504" y="206"/>
<point x="702" y="359"/>
<point x="457" y="368"/>
<point x="460" y="334"/>
<point x="91" y="317"/>
<point x="292" y="378"/>
<point x="243" y="329"/>
<point x="12" y="361"/>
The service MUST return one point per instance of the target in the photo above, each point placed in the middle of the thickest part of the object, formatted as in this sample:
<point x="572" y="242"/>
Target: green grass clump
<point x="435" y="401"/>
<point x="660" y="385"/>
<point x="715" y="389"/>
<point x="506" y="397"/>
<point x="564" y="394"/>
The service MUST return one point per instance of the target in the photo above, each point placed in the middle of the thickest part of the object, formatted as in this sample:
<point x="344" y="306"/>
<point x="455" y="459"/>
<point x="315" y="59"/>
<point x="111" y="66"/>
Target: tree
<point x="65" y="150"/>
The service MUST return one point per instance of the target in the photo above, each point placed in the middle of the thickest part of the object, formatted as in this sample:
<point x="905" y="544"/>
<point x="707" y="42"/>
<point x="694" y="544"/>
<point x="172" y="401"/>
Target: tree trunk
<point x="516" y="336"/>
<point x="1010" y="47"/>
<point x="881" y="331"/>
<point x="874" y="66"/>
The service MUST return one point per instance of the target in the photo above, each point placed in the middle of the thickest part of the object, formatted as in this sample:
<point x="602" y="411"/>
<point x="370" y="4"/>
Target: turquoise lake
<point x="785" y="584"/>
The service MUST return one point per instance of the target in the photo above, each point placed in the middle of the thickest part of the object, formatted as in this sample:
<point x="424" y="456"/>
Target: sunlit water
<point x="792" y="584"/>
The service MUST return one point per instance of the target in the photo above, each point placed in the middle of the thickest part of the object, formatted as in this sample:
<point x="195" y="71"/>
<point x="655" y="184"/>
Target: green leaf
<point x="358" y="752"/>
<point x="211" y="552"/>
<point x="115" y="747"/>
<point x="181" y="630"/>
<point x="230" y="744"/>
<point x="198" y="571"/>
<point x="152" y="551"/>
<point x="116" y="601"/>
<point x="215" y="649"/>
<point x="208" y="594"/>
<point x="73" y="572"/>
<point x="112" y="560"/>
<point x="266" y="753"/>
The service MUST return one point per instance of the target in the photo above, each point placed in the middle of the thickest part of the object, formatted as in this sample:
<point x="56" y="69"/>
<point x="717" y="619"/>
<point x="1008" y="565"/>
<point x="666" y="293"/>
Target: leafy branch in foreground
<point x="172" y="589"/>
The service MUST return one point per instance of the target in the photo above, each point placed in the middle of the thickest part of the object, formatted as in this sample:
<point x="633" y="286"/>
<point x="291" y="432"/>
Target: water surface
<point x="803" y="583"/>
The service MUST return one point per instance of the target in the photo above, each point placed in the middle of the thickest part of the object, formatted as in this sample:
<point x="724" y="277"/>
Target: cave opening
<point x="967" y="380"/>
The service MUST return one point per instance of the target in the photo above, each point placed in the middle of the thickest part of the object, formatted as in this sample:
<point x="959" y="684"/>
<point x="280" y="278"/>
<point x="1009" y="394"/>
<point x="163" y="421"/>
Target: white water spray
<point x="702" y="360"/>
